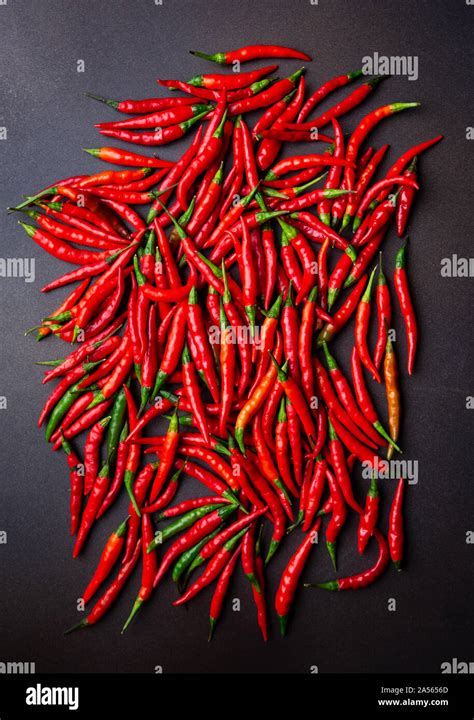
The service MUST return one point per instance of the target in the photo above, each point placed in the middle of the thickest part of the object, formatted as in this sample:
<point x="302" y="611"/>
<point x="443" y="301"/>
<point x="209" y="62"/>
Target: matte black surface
<point x="125" y="46"/>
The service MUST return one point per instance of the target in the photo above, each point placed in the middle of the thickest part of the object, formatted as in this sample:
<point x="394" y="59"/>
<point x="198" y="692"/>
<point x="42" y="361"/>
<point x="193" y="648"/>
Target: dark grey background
<point x="125" y="46"/>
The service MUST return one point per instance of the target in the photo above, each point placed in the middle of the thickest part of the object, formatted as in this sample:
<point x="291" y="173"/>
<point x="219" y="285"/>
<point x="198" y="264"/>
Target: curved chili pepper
<point x="361" y="580"/>
<point x="362" y="130"/>
<point x="299" y="162"/>
<point x="291" y="576"/>
<point x="402" y="162"/>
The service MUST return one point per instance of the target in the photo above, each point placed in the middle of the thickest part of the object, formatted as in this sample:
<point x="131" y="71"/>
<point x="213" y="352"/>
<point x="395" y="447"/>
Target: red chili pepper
<point x="325" y="89"/>
<point x="76" y="481"/>
<point x="91" y="453"/>
<point x="269" y="148"/>
<point x="333" y="179"/>
<point x="361" y="580"/>
<point x="320" y="231"/>
<point x="349" y="103"/>
<point x="140" y="489"/>
<point x="361" y="329"/>
<point x="298" y="162"/>
<point x="259" y="593"/>
<point x="202" y="161"/>
<point x="362" y="130"/>
<point x="107" y="560"/>
<point x="118" y="156"/>
<point x="199" y="530"/>
<point x="368" y="519"/>
<point x="267" y="467"/>
<point x="111" y="594"/>
<point x="395" y="532"/>
<point x="406" y="306"/>
<point x="347" y="399"/>
<point x="281" y="449"/>
<point x="252" y="52"/>
<point x="364" y="259"/>
<point x="117" y="481"/>
<point x="314" y="492"/>
<point x="352" y="444"/>
<point x="148" y="572"/>
<point x="167" y="457"/>
<point x="221" y="590"/>
<point x="362" y="183"/>
<point x="338" y="462"/>
<point x="402" y="162"/>
<point x="267" y="97"/>
<point x="94" y="502"/>
<point x="161" y="136"/>
<point x="291" y="576"/>
<point x="371" y="194"/>
<point x="267" y="119"/>
<point x="214" y="568"/>
<point x="290" y="329"/>
<point x="61" y="250"/>
<point x="333" y="404"/>
<point x="405" y="201"/>
<point x="364" y="400"/>
<point x="384" y="315"/>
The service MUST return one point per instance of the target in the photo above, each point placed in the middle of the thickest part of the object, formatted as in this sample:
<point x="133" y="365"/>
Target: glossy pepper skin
<point x="218" y="312"/>
<point x="400" y="280"/>
<point x="291" y="576"/>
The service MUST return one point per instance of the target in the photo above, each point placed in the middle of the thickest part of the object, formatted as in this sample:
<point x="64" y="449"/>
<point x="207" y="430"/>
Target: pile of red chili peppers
<point x="216" y="310"/>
